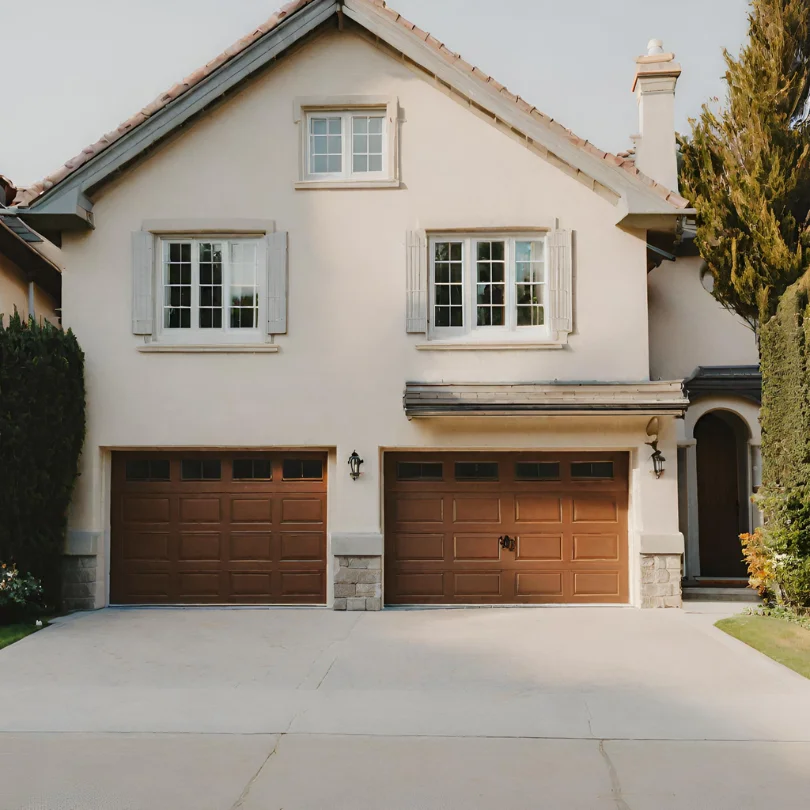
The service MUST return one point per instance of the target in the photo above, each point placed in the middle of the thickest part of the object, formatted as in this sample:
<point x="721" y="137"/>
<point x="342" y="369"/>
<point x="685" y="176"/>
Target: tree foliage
<point x="746" y="168"/>
<point x="42" y="426"/>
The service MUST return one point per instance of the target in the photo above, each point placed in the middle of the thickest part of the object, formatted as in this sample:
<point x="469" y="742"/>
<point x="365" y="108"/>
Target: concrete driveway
<point x="437" y="709"/>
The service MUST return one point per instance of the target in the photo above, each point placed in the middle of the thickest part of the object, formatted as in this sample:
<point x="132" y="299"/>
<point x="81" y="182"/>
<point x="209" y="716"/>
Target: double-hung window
<point x="349" y="145"/>
<point x="211" y="289"/>
<point x="491" y="286"/>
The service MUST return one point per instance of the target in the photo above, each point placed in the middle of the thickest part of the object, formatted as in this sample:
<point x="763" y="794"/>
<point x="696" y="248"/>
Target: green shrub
<point x="785" y="494"/>
<point x="20" y="595"/>
<point x="42" y="426"/>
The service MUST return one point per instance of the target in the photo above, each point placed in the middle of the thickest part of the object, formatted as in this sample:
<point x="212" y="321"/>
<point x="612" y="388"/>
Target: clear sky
<point x="74" y="69"/>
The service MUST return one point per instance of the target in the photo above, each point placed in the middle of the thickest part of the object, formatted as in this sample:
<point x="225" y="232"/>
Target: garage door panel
<point x="477" y="509"/>
<point x="596" y="583"/>
<point x="251" y="510"/>
<point x="596" y="547"/>
<point x="538" y="508"/>
<point x="596" y="509"/>
<point x="419" y="509"/>
<point x="200" y="510"/>
<point x="419" y="585"/>
<point x="302" y="583"/>
<point x="569" y="529"/>
<point x="484" y="584"/>
<point x="301" y="510"/>
<point x="227" y="538"/>
<point x="140" y="509"/>
<point x="200" y="546"/>
<point x="418" y="547"/>
<point x="544" y="583"/>
<point x="302" y="546"/>
<point x="476" y="547"/>
<point x="145" y="546"/>
<point x="540" y="547"/>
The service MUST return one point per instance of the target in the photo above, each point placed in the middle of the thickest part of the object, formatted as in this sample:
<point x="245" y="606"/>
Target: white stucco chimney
<point x="654" y="85"/>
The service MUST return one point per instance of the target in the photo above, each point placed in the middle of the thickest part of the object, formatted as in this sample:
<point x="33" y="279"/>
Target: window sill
<point x="312" y="185"/>
<point x="503" y="345"/>
<point x="214" y="348"/>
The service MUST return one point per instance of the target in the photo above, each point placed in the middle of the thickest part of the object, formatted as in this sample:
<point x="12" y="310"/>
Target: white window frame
<point x="470" y="331"/>
<point x="347" y="108"/>
<point x="196" y="335"/>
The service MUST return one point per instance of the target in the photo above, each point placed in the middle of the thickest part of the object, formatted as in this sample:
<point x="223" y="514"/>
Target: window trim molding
<point x="205" y="226"/>
<point x="196" y="339"/>
<point x="471" y="337"/>
<point x="303" y="106"/>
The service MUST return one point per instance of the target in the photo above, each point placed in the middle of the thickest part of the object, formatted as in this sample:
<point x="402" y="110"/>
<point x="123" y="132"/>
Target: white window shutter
<point x="143" y="300"/>
<point x="560" y="280"/>
<point x="276" y="282"/>
<point x="416" y="304"/>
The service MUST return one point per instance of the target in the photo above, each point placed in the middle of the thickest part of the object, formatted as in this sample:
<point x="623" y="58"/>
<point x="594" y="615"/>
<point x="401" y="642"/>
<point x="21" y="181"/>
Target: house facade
<point x="362" y="328"/>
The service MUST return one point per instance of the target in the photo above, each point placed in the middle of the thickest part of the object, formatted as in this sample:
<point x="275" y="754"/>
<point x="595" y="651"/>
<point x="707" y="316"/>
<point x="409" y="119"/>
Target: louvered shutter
<point x="416" y="304"/>
<point x="276" y="282"/>
<point x="560" y="280"/>
<point x="143" y="296"/>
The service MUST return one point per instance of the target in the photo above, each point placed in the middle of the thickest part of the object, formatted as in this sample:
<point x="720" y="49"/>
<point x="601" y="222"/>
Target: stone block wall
<point x="79" y="573"/>
<point x="660" y="580"/>
<point x="358" y="583"/>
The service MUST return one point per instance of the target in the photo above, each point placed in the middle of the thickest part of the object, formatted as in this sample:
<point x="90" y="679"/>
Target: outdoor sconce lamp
<point x="657" y="458"/>
<point x="354" y="465"/>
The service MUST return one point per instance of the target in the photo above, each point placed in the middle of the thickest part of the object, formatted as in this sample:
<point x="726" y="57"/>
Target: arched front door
<point x="719" y="508"/>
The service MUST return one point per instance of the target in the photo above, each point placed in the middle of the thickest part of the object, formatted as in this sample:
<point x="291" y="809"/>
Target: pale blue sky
<point x="73" y="69"/>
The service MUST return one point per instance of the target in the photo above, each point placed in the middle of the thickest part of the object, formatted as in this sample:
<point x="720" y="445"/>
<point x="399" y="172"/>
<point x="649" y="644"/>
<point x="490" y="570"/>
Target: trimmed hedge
<point x="785" y="418"/>
<point x="42" y="427"/>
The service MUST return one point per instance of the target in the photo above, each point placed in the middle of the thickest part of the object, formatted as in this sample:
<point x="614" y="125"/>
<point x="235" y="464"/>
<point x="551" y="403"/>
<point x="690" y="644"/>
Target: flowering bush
<point x="20" y="595"/>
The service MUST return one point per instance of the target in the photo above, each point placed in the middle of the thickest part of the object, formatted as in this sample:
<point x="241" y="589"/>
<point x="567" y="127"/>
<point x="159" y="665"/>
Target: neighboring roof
<point x="741" y="381"/>
<point x="29" y="196"/>
<point x="550" y="398"/>
<point x="17" y="243"/>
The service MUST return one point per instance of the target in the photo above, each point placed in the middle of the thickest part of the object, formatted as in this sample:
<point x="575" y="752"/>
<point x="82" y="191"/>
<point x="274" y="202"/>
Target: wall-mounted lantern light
<point x="354" y="465"/>
<point x="657" y="457"/>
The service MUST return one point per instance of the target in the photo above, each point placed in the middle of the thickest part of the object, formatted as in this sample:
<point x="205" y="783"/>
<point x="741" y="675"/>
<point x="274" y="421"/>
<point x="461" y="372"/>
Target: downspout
<point x="31" y="313"/>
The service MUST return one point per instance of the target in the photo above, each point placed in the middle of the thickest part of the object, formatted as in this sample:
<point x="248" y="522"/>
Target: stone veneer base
<point x="358" y="583"/>
<point x="79" y="574"/>
<point x="661" y="581"/>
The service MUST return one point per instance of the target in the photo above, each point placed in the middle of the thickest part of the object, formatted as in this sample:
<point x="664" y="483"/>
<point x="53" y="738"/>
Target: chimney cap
<point x="654" y="47"/>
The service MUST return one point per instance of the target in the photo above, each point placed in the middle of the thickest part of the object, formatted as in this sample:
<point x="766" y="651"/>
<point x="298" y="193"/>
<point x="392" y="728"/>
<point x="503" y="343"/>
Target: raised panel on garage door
<point x="218" y="527"/>
<point x="502" y="528"/>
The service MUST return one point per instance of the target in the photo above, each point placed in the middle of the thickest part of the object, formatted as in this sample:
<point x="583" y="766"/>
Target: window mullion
<point x="226" y="286"/>
<point x="470" y="287"/>
<point x="510" y="293"/>
<point x="347" y="135"/>
<point x="195" y="286"/>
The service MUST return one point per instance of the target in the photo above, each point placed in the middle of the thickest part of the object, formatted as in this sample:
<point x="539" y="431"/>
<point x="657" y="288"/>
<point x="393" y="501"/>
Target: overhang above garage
<point x="426" y="399"/>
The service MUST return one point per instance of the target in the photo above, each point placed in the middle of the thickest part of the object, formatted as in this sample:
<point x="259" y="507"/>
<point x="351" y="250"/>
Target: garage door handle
<point x="507" y="542"/>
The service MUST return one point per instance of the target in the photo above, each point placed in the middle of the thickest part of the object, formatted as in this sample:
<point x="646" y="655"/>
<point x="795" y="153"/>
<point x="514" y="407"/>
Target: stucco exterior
<point x="14" y="294"/>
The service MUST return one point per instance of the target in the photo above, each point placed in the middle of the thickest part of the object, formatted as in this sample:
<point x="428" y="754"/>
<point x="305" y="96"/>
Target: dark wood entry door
<point x="718" y="499"/>
<point x="235" y="528"/>
<point x="565" y="517"/>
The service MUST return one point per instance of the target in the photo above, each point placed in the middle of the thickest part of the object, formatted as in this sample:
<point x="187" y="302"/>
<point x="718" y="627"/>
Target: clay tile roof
<point x="28" y="195"/>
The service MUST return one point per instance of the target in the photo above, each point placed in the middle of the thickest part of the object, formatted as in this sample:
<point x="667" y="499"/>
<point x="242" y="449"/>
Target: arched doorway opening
<point x="722" y="490"/>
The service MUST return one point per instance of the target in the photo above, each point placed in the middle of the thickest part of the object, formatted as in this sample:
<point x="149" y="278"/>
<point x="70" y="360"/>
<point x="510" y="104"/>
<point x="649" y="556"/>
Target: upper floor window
<point x="488" y="285"/>
<point x="211" y="286"/>
<point x="349" y="145"/>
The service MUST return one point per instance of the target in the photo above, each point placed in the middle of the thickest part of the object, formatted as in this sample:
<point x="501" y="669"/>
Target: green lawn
<point x="14" y="632"/>
<point x="785" y="642"/>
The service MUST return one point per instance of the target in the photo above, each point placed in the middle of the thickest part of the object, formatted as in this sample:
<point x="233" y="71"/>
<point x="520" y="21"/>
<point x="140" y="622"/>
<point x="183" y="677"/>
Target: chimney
<point x="654" y="85"/>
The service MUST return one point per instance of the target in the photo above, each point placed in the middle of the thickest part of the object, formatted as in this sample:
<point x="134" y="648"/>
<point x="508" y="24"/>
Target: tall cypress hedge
<point x="785" y="419"/>
<point x="42" y="427"/>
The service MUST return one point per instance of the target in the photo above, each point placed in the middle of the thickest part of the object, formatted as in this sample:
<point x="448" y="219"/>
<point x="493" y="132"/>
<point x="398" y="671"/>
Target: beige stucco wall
<point x="688" y="328"/>
<point x="338" y="379"/>
<point x="14" y="293"/>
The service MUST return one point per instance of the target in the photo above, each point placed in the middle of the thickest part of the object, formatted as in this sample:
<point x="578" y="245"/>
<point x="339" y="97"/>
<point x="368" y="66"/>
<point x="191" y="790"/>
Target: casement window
<point x="492" y="287"/>
<point x="209" y="289"/>
<point x="347" y="141"/>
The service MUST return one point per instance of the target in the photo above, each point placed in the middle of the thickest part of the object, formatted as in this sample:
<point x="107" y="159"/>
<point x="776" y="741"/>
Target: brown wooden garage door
<point x="445" y="515"/>
<point x="218" y="528"/>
